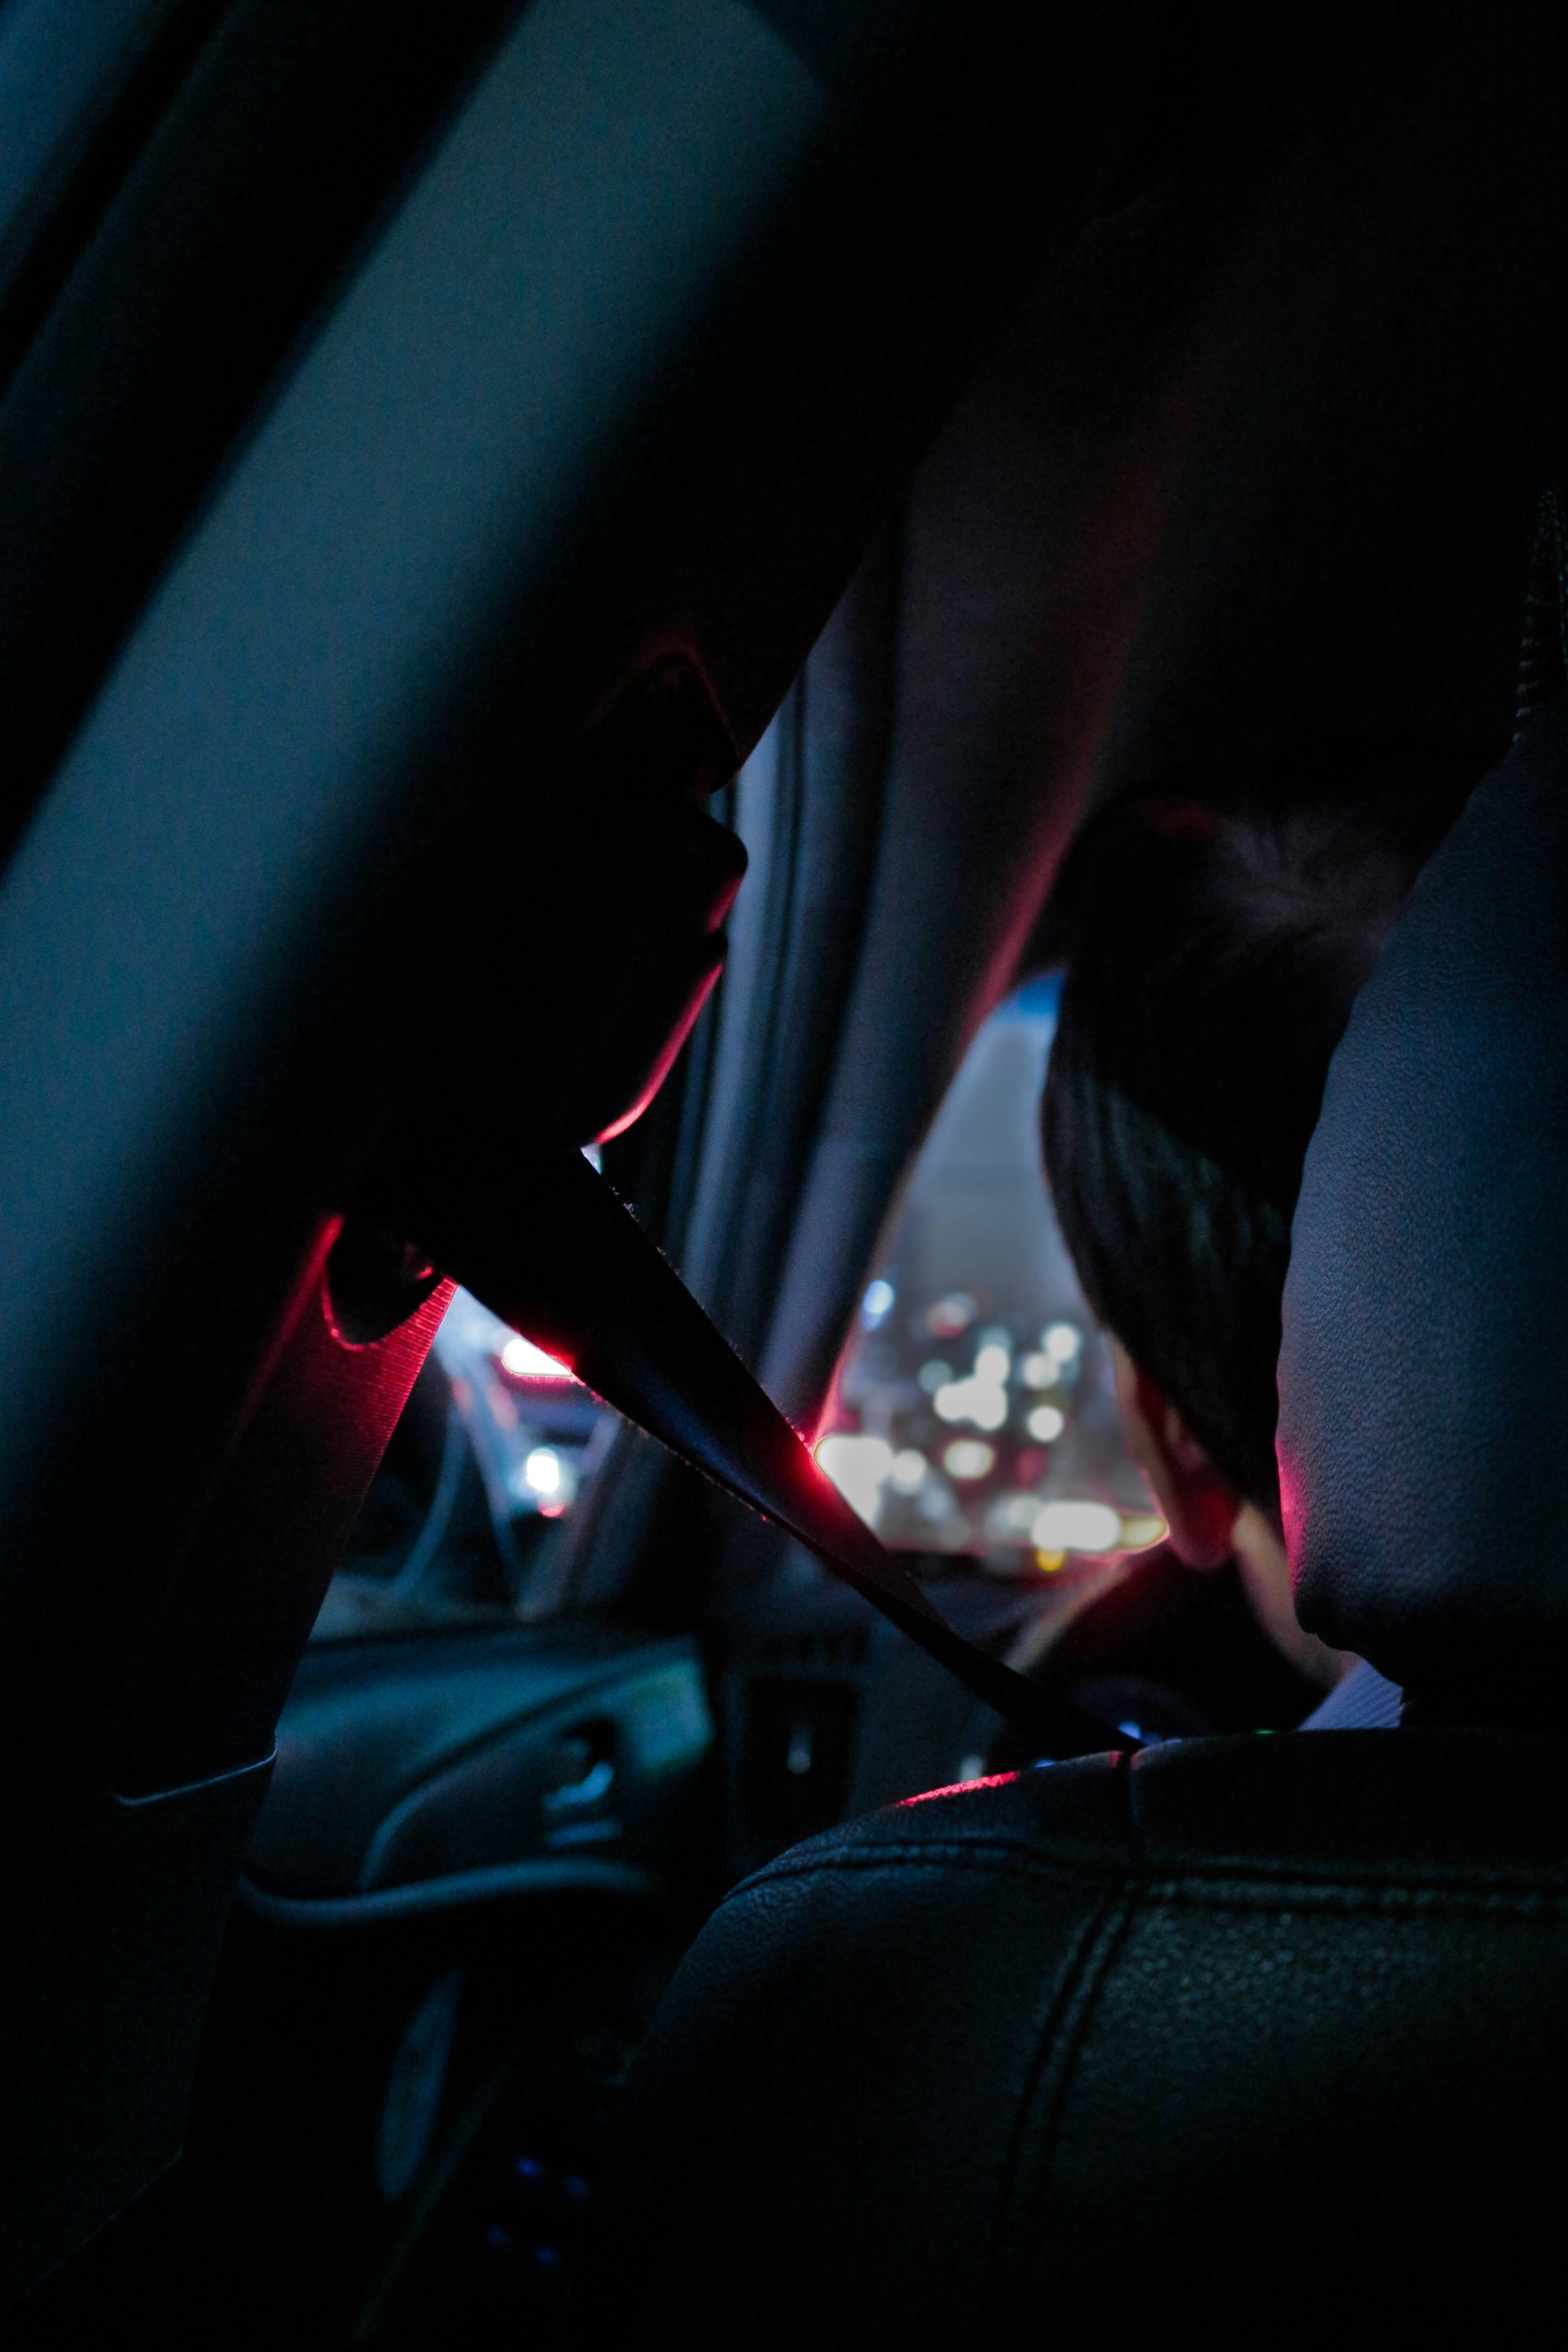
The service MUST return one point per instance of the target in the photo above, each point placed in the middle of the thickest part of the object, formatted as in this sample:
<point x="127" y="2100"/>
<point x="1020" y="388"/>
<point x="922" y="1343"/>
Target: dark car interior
<point x="571" y="571"/>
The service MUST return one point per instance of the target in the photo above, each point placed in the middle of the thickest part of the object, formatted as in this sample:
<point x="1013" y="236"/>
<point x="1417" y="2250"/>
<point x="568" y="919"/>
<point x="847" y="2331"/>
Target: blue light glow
<point x="876" y="1305"/>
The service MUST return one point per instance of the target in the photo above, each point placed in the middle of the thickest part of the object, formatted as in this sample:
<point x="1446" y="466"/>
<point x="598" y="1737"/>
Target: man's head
<point x="1214" y="931"/>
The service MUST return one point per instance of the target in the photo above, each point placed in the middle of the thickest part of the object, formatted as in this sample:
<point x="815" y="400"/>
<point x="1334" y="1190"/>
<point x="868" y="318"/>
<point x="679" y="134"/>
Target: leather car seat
<point x="1265" y="2035"/>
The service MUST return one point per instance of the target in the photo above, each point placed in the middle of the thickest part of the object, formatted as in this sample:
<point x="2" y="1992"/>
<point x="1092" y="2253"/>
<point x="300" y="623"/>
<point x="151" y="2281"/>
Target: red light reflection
<point x="955" y="1787"/>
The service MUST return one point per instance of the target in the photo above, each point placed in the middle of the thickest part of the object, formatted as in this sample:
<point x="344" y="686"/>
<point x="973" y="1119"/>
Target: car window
<point x="536" y="1433"/>
<point x="489" y="1460"/>
<point x="973" y="1412"/>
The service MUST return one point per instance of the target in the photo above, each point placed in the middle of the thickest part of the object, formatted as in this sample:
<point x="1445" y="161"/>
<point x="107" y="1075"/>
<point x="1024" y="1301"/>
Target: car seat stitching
<point x="1455" y="1902"/>
<point x="1297" y="1870"/>
<point x="922" y="1860"/>
<point x="1073" y="1859"/>
<point x="1061" y="2037"/>
<point x="1223" y="1879"/>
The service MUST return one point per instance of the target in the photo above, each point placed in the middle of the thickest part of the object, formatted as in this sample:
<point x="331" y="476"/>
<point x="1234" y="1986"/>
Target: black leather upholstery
<point x="1262" y="2037"/>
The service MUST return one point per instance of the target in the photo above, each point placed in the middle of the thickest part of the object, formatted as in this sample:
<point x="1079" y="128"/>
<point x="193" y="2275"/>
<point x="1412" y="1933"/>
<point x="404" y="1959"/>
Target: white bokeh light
<point x="524" y="1361"/>
<point x="907" y="1474"/>
<point x="542" y="1470"/>
<point x="858" y="1467"/>
<point x="1077" y="1527"/>
<point x="969" y="1457"/>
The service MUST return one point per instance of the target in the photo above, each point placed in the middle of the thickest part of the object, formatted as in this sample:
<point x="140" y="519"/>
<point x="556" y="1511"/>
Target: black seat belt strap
<point x="551" y="1249"/>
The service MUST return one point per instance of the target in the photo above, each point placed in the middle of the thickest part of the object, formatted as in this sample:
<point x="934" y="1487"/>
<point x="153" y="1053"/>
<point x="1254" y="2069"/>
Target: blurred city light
<point x="969" y="1457"/>
<point x="974" y="1345"/>
<point x="976" y="1400"/>
<point x="542" y="1470"/>
<point x="908" y="1473"/>
<point x="858" y="1467"/>
<point x="1077" y="1527"/>
<point x="524" y="1361"/>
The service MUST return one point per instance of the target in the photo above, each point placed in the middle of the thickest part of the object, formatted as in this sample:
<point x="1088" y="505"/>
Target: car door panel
<point x="406" y="1764"/>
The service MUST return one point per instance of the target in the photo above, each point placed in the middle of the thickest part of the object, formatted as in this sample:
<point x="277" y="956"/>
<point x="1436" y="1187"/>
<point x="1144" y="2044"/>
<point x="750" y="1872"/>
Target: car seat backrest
<point x="1234" y="2039"/>
<point x="1424" y="1377"/>
<point x="1238" y="2037"/>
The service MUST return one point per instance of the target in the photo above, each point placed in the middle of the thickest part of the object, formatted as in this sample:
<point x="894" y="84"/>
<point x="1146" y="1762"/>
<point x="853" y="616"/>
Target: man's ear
<point x="1197" y="1501"/>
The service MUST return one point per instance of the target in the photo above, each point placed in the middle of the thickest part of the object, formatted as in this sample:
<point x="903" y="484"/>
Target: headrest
<point x="1424" y="1376"/>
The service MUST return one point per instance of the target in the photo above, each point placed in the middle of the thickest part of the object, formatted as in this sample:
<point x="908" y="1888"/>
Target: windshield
<point x="974" y="1410"/>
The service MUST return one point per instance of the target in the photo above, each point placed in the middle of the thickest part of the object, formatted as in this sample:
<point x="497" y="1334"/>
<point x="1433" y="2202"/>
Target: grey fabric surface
<point x="1423" y="1380"/>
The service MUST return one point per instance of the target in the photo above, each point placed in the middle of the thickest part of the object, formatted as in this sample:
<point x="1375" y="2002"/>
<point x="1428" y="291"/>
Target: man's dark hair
<point x="1214" y="931"/>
